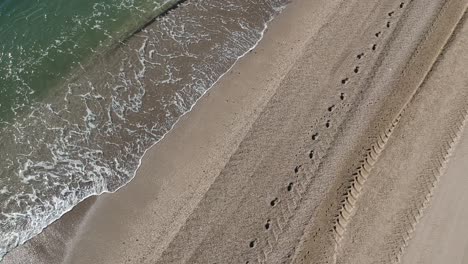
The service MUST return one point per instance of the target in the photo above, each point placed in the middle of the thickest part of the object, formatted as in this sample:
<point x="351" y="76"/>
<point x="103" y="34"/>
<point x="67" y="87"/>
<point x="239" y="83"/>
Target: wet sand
<point x="176" y="173"/>
<point x="323" y="145"/>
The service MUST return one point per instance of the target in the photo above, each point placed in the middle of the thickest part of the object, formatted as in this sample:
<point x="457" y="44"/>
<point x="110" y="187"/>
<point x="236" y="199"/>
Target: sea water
<point x="87" y="86"/>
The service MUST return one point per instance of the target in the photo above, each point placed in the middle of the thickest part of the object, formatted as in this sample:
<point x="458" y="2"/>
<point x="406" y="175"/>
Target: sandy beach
<point x="441" y="235"/>
<point x="339" y="139"/>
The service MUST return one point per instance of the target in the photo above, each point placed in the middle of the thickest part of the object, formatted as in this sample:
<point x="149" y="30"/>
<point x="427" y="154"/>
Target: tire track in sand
<point x="428" y="180"/>
<point x="447" y="18"/>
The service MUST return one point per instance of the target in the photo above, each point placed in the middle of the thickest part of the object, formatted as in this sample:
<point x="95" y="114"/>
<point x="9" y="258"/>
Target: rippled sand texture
<point x="328" y="152"/>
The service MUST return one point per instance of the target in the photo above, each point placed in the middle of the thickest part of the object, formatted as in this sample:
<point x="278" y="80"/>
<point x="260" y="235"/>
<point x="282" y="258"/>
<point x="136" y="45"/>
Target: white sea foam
<point x="91" y="138"/>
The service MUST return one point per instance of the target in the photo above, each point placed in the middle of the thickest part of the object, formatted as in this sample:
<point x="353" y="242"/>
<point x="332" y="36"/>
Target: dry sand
<point x="323" y="145"/>
<point x="442" y="235"/>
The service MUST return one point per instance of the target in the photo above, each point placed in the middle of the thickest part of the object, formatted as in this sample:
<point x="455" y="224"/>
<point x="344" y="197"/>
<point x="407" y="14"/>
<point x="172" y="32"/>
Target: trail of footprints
<point x="361" y="173"/>
<point x="292" y="193"/>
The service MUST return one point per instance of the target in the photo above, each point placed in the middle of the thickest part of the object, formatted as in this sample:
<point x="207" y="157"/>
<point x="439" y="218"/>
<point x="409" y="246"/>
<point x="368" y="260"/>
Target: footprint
<point x="391" y="13"/>
<point x="330" y="109"/>
<point x="274" y="202"/>
<point x="290" y="186"/>
<point x="374" y="47"/>
<point x="388" y="24"/>
<point x="402" y="5"/>
<point x="378" y="34"/>
<point x="342" y="96"/>
<point x="296" y="169"/>
<point x="311" y="154"/>
<point x="327" y="125"/>
<point x="252" y="243"/>
<point x="359" y="56"/>
<point x="356" y="69"/>
<point x="345" y="80"/>
<point x="315" y="136"/>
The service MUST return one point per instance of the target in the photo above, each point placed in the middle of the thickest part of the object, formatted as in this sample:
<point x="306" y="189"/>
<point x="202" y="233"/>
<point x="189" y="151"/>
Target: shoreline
<point x="320" y="145"/>
<point x="82" y="211"/>
<point x="98" y="189"/>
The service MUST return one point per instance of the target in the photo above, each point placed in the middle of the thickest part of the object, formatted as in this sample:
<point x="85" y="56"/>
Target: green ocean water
<point x="87" y="87"/>
<point x="42" y="42"/>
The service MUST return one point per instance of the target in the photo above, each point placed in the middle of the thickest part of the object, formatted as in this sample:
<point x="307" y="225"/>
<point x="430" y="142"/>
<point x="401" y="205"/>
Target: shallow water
<point x="42" y="41"/>
<point x="84" y="111"/>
